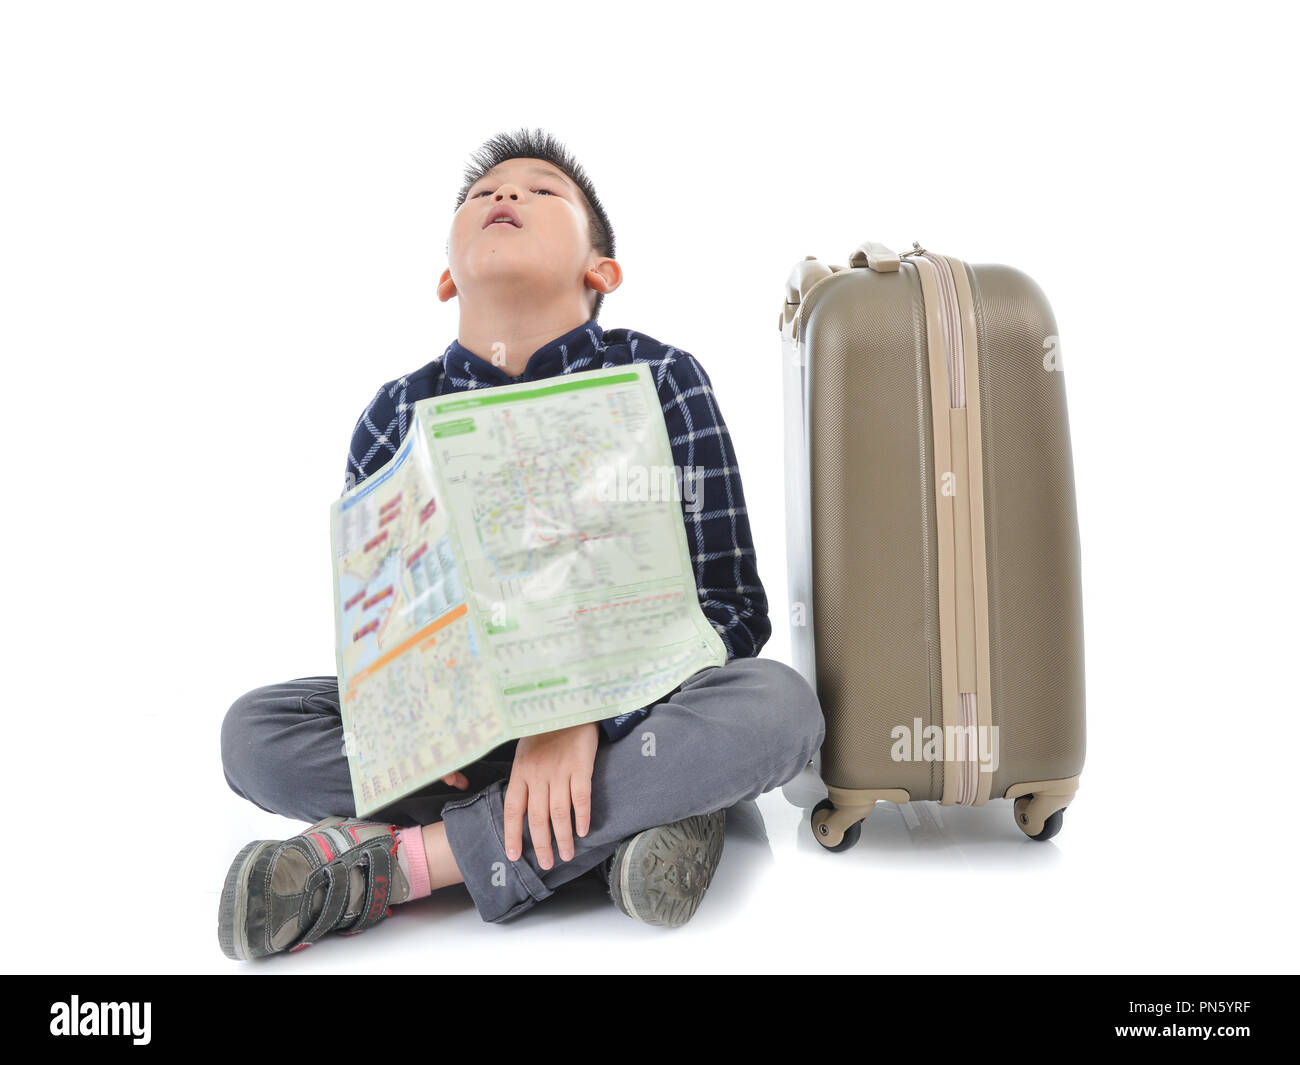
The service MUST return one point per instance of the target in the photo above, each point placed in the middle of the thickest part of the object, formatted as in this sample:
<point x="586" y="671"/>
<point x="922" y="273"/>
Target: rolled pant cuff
<point x="475" y="828"/>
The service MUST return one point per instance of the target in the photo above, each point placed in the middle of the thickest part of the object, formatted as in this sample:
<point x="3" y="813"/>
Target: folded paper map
<point x="519" y="565"/>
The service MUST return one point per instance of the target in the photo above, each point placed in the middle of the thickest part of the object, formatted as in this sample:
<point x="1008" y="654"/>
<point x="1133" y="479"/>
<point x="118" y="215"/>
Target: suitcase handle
<point x="874" y="256"/>
<point x="804" y="275"/>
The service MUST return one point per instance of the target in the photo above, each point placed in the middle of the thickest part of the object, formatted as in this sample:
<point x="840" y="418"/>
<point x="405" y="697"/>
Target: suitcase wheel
<point x="1026" y="819"/>
<point x="824" y="833"/>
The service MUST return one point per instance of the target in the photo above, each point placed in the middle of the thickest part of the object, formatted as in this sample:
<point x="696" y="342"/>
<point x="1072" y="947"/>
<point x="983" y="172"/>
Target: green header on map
<point x="532" y="393"/>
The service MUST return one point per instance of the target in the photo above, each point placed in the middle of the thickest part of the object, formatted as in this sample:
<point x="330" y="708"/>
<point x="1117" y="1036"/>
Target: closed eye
<point x="488" y="192"/>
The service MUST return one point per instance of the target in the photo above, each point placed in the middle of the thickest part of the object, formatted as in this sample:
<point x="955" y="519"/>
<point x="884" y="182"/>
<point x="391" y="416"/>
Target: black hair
<point x="537" y="144"/>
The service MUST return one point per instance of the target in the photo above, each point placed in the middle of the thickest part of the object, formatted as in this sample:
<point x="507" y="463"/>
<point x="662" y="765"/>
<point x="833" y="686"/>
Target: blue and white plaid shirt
<point x="726" y="571"/>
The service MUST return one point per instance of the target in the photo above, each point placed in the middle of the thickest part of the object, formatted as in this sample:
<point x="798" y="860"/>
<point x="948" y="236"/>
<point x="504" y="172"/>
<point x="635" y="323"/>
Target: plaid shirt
<point x="726" y="572"/>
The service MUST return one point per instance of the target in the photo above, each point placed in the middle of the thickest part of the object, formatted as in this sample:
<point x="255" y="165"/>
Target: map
<point x="520" y="565"/>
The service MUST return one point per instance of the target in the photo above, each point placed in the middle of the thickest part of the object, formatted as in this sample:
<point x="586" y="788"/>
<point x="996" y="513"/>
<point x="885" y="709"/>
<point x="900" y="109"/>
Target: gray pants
<point x="727" y="734"/>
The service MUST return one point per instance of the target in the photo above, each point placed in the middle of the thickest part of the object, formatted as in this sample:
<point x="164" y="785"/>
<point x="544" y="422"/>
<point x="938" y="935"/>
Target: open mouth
<point x="503" y="216"/>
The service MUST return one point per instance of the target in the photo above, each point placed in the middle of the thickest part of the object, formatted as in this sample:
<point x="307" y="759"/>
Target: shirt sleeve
<point x="374" y="438"/>
<point x="715" y="515"/>
<point x="713" y="508"/>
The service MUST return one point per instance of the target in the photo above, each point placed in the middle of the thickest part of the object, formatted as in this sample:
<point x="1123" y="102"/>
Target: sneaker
<point x="660" y="875"/>
<point x="340" y="875"/>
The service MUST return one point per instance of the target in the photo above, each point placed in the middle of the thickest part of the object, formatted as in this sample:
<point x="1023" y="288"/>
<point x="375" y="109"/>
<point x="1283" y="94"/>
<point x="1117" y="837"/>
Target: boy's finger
<point x="515" y="804"/>
<point x="537" y="825"/>
<point x="560" y="816"/>
<point x="580" y="787"/>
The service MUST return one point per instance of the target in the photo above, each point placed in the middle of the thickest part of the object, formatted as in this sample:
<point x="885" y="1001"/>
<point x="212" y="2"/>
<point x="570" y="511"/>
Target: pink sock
<point x="413" y="862"/>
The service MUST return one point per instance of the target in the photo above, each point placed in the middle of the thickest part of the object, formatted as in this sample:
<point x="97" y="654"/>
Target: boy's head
<point x="560" y="237"/>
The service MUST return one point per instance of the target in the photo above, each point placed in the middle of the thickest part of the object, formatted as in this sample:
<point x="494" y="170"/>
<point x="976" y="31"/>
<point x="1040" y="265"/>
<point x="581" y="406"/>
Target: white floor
<point x="1113" y="892"/>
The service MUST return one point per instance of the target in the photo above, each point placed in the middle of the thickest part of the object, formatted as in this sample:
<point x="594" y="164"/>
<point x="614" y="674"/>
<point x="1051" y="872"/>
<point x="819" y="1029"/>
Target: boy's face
<point x="546" y="250"/>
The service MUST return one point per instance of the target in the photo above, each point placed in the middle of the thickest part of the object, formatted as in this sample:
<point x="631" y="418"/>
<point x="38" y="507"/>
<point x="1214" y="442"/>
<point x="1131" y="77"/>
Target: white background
<point x="222" y="228"/>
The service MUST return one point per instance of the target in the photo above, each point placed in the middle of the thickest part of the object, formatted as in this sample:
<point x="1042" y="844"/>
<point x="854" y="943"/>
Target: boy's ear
<point x="604" y="275"/>
<point x="446" y="286"/>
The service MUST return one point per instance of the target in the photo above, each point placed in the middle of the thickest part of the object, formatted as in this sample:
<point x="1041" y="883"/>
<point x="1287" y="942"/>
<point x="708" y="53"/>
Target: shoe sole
<point x="231" y="930"/>
<point x="663" y="874"/>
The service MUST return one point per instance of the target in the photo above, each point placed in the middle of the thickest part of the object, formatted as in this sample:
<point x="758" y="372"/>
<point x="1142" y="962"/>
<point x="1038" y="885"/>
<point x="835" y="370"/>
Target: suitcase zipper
<point x="950" y="328"/>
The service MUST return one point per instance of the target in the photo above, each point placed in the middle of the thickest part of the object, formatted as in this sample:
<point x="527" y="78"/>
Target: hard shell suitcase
<point x="933" y="554"/>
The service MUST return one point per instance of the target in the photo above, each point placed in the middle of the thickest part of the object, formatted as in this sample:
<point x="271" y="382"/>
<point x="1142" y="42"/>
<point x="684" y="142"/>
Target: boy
<point x="531" y="260"/>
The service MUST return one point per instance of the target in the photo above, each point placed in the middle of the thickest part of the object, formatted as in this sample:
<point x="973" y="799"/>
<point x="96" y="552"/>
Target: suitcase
<point x="933" y="545"/>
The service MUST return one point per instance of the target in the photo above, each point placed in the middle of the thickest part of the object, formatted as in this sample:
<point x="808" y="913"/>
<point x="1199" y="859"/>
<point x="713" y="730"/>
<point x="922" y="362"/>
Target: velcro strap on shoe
<point x="336" y="899"/>
<point x="379" y="884"/>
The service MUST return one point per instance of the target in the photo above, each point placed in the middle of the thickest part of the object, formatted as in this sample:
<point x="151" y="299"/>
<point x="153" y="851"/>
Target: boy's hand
<point x="552" y="772"/>
<point x="457" y="780"/>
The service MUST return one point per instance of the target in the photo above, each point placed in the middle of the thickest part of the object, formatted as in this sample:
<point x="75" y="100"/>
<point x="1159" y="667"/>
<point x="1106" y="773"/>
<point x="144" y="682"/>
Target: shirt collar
<point x="578" y="349"/>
